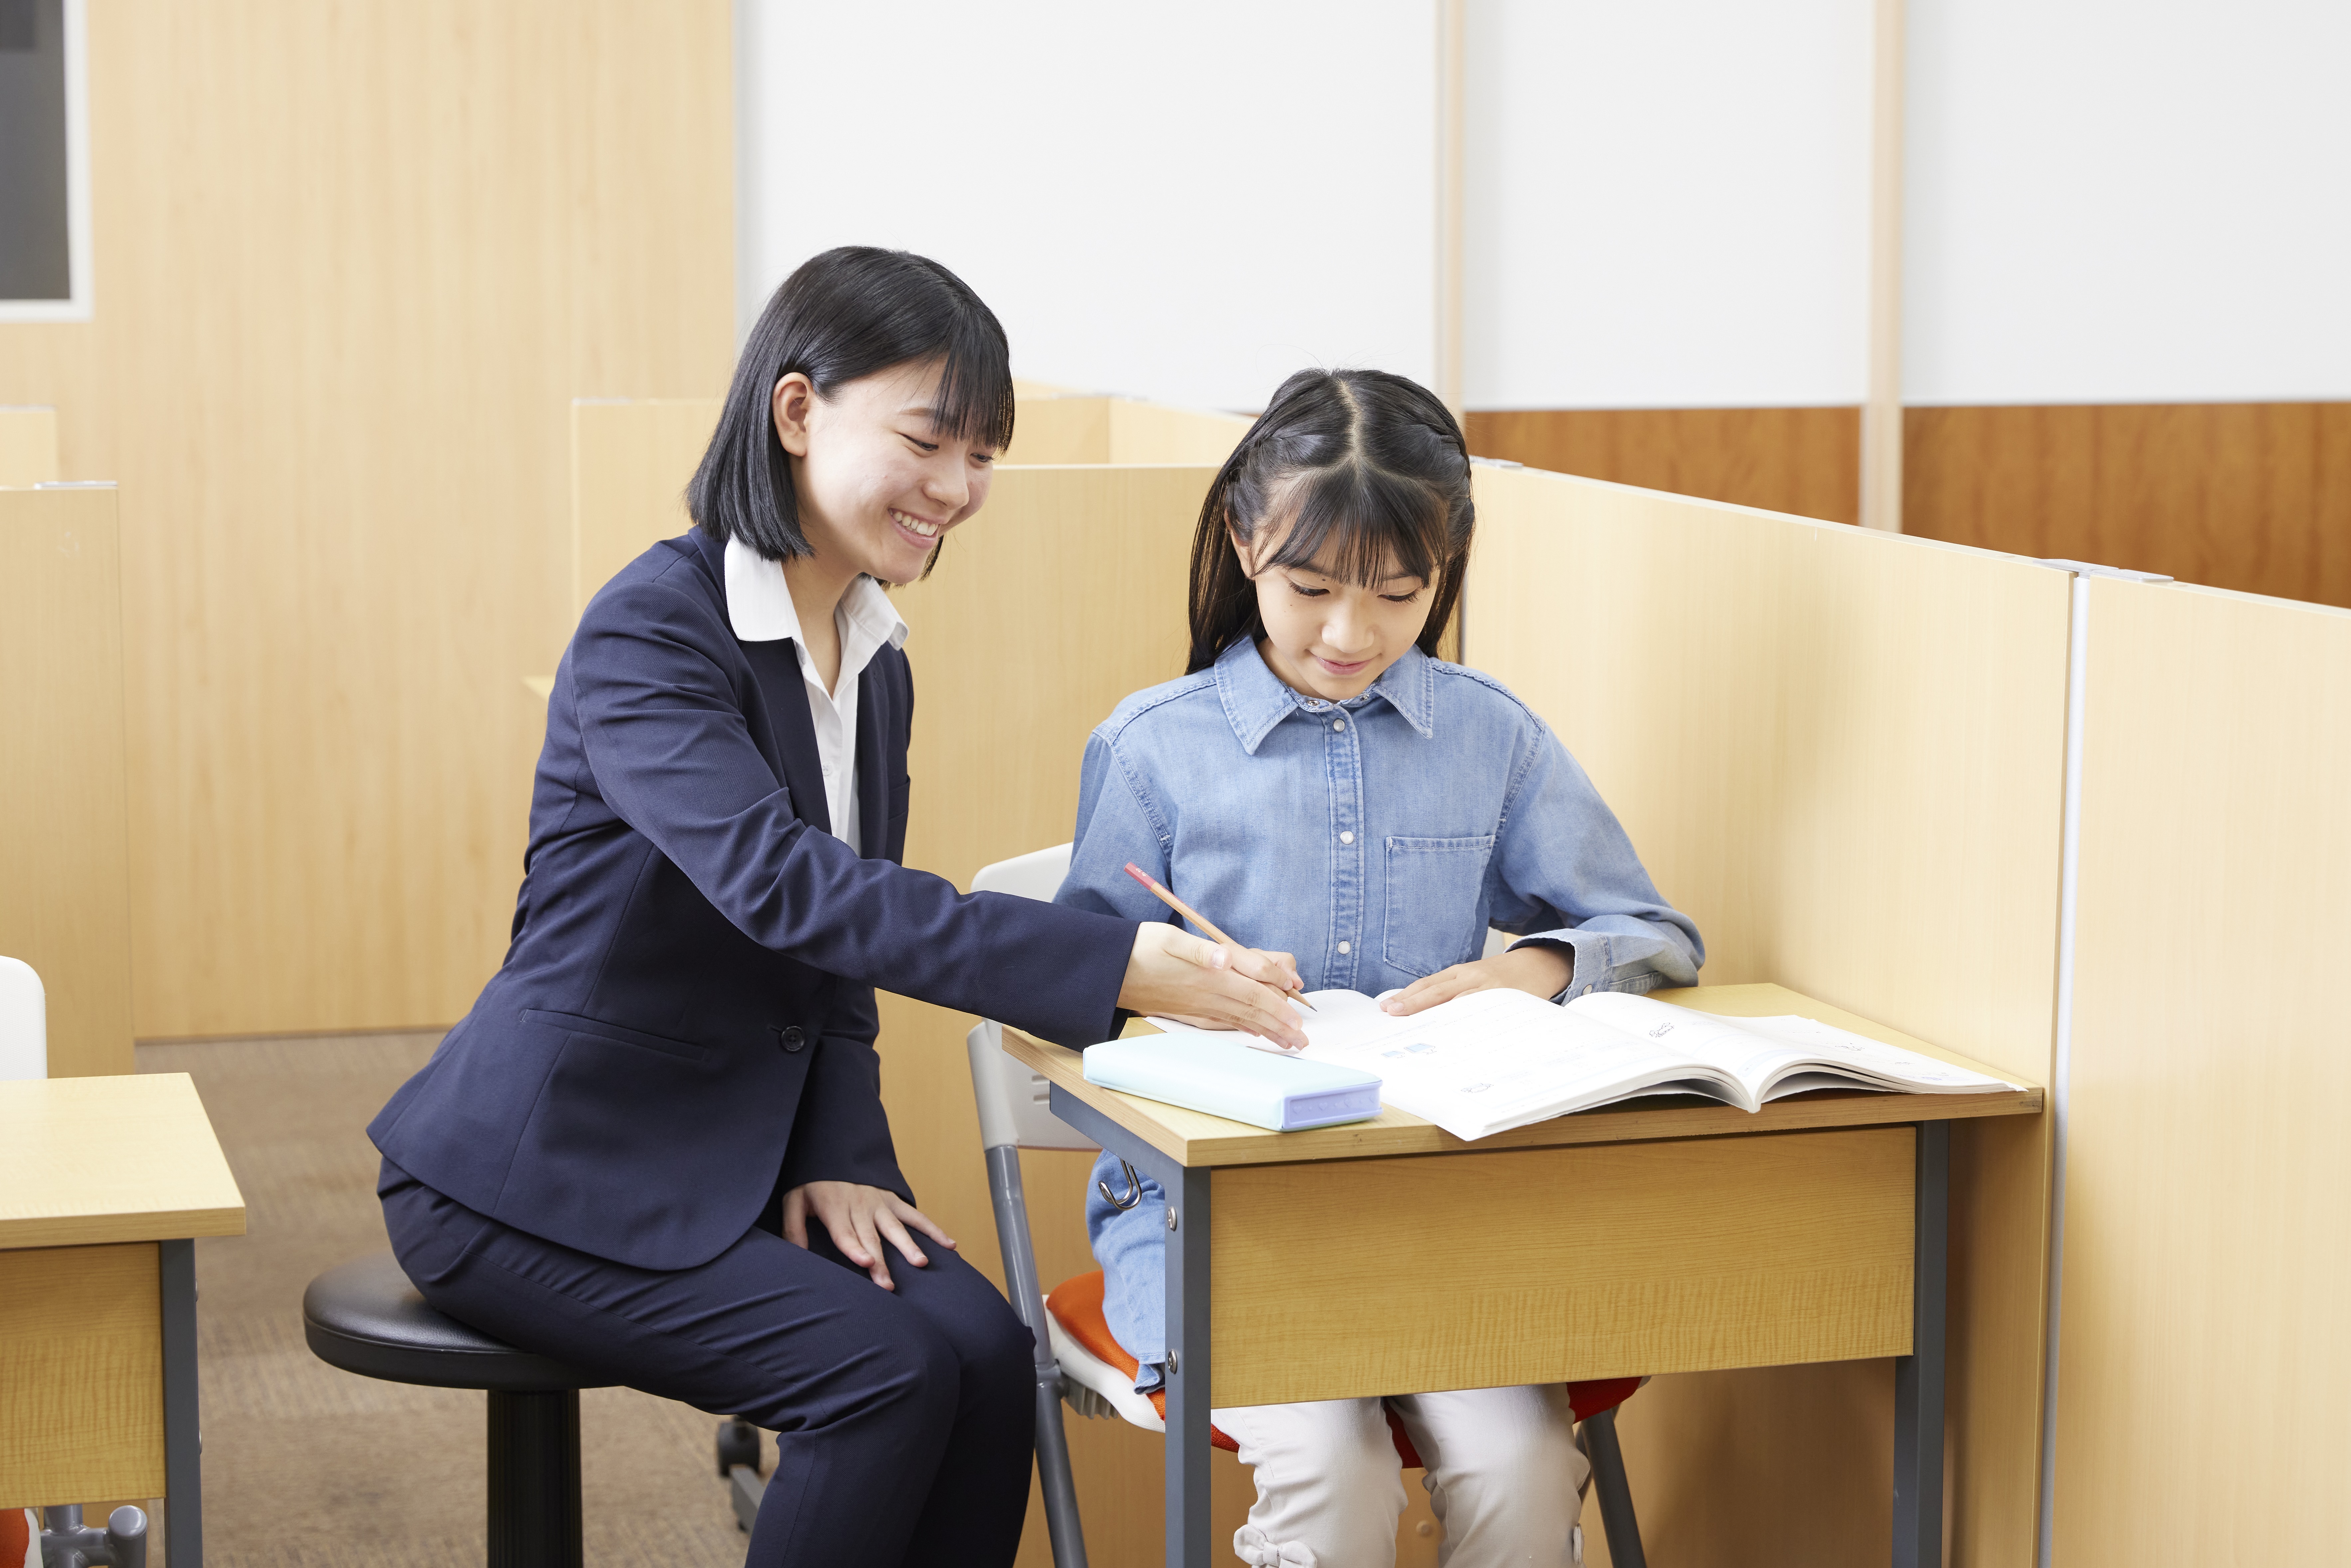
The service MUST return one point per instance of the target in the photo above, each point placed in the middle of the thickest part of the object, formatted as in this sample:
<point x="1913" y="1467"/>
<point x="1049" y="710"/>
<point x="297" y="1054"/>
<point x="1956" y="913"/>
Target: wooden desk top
<point x="1194" y="1138"/>
<point x="127" y="1158"/>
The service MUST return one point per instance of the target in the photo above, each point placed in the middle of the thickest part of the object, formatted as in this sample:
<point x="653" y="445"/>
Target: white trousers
<point x="1505" y="1479"/>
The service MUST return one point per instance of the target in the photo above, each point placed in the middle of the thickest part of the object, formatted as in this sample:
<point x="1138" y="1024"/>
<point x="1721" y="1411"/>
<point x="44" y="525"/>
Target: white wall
<point x="1667" y="203"/>
<point x="1185" y="202"/>
<point x="2128" y="200"/>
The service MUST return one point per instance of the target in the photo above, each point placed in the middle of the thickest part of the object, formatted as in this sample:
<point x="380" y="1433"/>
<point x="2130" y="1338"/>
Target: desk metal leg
<point x="1187" y="1323"/>
<point x="183" y="1506"/>
<point x="1187" y="1371"/>
<point x="1918" y="1376"/>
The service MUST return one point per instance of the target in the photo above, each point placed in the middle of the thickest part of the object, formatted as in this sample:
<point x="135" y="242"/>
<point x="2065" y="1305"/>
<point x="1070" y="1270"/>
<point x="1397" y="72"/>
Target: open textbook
<point x="1491" y="1061"/>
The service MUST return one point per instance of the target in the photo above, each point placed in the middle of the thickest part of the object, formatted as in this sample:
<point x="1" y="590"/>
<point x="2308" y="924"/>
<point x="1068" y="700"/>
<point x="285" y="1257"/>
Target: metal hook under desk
<point x="1134" y="1189"/>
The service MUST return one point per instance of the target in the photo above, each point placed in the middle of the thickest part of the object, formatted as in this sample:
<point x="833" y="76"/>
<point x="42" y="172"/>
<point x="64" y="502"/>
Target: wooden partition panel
<point x="2206" y="1237"/>
<point x="352" y="260"/>
<point x="65" y="890"/>
<point x="1842" y="753"/>
<point x="28" y="444"/>
<point x="1077" y="428"/>
<point x="630" y="460"/>
<point x="2254" y="497"/>
<point x="1806" y="461"/>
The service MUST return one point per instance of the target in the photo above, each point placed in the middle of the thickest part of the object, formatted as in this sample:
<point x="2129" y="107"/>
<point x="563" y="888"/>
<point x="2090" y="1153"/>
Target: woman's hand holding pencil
<point x="1284" y="969"/>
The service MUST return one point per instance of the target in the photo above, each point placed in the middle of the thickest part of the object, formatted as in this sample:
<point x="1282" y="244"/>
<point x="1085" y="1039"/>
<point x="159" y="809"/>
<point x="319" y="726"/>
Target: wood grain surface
<point x="81" y="1374"/>
<point x="1101" y="429"/>
<point x="353" y="262"/>
<point x="1842" y="752"/>
<point x="1340" y="1279"/>
<point x="2206" y="1237"/>
<point x="1805" y="460"/>
<point x="64" y="876"/>
<point x="631" y="461"/>
<point x="2252" y="496"/>
<point x="28" y="444"/>
<point x="85" y="1161"/>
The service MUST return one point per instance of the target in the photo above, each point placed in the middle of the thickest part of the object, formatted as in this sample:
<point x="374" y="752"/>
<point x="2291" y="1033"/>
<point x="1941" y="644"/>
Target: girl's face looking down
<point x="877" y="486"/>
<point x="1328" y="636"/>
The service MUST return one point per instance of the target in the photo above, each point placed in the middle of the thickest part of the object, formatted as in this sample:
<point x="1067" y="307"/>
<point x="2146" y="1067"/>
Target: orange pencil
<point x="1207" y="925"/>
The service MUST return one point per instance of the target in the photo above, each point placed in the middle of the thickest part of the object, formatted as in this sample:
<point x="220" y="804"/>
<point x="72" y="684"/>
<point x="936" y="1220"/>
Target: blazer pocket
<point x="597" y="1028"/>
<point x="1432" y="900"/>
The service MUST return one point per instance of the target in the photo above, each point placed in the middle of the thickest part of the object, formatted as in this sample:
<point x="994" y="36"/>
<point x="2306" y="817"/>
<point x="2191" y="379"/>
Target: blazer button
<point x="791" y="1038"/>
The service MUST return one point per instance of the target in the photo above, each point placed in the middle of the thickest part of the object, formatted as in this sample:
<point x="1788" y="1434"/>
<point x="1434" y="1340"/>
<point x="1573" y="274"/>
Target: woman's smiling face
<point x="877" y="487"/>
<point x="1329" y="636"/>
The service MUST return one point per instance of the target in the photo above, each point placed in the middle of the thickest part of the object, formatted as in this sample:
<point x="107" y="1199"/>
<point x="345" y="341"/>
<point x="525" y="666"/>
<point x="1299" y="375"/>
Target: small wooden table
<point x="104" y="1183"/>
<point x="1662" y="1235"/>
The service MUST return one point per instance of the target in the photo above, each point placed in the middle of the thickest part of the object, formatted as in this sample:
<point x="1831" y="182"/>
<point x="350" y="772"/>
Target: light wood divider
<point x="2203" y="1372"/>
<point x="630" y="460"/>
<point x="28" y="444"/>
<point x="1842" y="753"/>
<point x="354" y="260"/>
<point x="1084" y="428"/>
<point x="65" y="882"/>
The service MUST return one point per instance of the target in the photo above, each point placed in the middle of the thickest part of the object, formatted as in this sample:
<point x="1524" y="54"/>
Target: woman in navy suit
<point x="656" y="1147"/>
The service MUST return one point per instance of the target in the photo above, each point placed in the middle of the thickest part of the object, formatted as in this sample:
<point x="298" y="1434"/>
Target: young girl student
<point x="1323" y="786"/>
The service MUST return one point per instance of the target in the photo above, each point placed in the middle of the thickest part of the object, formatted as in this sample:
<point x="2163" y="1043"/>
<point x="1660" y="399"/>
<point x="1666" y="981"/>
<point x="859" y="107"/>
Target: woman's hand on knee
<point x="1177" y="975"/>
<point x="859" y="1220"/>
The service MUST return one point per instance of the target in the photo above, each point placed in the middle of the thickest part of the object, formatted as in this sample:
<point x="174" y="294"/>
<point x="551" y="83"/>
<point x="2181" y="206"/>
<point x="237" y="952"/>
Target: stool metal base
<point x="535" y="1480"/>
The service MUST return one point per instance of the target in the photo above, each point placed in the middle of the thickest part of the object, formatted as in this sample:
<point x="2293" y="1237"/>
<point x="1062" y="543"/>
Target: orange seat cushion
<point x="1076" y="1305"/>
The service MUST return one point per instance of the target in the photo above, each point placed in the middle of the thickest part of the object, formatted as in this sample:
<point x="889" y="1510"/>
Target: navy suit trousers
<point x="903" y="1419"/>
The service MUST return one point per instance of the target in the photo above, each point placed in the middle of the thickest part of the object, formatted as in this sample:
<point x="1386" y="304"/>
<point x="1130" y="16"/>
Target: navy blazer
<point x="683" y="1024"/>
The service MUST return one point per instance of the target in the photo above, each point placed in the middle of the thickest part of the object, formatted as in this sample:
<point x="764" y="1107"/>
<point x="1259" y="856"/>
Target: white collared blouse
<point x="759" y="609"/>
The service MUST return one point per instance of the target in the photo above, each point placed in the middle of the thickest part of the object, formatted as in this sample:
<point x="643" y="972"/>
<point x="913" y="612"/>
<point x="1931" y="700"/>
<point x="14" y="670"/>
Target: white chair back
<point x="24" y="1022"/>
<point x="1014" y="1108"/>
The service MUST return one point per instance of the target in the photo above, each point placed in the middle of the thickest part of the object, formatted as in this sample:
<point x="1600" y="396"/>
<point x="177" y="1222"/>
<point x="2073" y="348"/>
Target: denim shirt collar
<point x="1256" y="699"/>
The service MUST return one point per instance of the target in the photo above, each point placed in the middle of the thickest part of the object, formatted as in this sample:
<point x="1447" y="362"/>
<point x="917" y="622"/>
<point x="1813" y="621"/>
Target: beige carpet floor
<point x="305" y="1465"/>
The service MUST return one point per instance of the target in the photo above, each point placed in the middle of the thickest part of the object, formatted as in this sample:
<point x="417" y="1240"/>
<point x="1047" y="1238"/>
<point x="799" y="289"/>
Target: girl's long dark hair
<point x="843" y="314"/>
<point x="1369" y="474"/>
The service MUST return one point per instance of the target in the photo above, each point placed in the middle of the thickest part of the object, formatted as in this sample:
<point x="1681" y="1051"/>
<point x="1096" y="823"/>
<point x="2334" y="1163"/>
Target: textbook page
<point x="1773" y="1057"/>
<point x="1490" y="1060"/>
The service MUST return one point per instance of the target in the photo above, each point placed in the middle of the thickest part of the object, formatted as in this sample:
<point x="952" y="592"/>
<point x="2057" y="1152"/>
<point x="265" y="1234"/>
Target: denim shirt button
<point x="1338" y="724"/>
<point x="1346" y="947"/>
<point x="1346" y="838"/>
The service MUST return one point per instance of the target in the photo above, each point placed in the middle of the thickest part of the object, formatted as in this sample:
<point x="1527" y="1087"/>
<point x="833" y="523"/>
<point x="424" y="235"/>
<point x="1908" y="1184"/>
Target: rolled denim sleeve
<point x="1565" y="874"/>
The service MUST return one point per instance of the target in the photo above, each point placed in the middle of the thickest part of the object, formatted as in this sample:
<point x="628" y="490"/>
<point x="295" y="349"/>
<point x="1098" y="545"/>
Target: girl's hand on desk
<point x="858" y="1218"/>
<point x="1177" y="975"/>
<point x="1540" y="971"/>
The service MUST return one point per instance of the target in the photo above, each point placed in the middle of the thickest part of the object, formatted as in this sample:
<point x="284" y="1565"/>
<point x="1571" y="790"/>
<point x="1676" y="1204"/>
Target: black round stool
<point x="365" y="1317"/>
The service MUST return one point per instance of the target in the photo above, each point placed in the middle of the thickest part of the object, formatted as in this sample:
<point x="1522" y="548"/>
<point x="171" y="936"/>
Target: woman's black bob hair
<point x="843" y="314"/>
<point x="1366" y="472"/>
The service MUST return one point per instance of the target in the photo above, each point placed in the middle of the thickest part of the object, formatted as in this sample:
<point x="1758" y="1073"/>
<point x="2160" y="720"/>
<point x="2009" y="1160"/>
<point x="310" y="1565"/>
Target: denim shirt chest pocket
<point x="1429" y="884"/>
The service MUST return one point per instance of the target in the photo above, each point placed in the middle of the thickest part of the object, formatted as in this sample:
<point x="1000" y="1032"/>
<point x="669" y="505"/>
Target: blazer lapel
<point x="873" y="723"/>
<point x="783" y="691"/>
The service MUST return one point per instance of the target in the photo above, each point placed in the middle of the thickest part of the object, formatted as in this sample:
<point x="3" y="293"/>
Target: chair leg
<point x="534" y="1442"/>
<point x="1616" y="1495"/>
<point x="1011" y="1205"/>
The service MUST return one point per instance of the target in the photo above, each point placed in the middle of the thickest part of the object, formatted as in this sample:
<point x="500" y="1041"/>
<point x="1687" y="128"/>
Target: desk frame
<point x="1918" y="1378"/>
<point x="183" y="1497"/>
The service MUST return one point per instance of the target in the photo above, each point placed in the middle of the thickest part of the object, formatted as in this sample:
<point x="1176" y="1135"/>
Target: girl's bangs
<point x="975" y="399"/>
<point x="1358" y="525"/>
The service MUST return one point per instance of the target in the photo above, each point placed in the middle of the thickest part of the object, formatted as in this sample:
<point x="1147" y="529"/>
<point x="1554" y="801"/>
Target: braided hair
<point x="1366" y="473"/>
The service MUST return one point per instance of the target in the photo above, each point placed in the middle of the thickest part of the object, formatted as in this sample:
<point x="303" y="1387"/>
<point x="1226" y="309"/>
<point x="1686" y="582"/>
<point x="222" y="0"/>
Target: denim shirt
<point x="1375" y="840"/>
